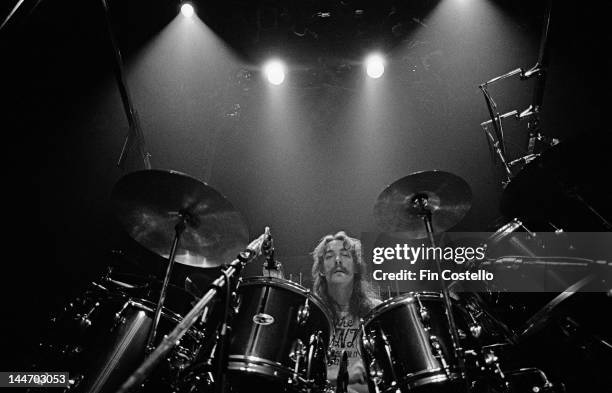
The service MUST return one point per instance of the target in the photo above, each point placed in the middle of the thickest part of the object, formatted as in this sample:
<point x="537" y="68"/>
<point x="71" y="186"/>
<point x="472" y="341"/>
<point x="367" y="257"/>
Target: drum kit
<point x="130" y="333"/>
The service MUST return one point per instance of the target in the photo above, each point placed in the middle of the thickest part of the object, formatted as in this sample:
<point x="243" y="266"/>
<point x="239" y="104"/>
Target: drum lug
<point x="367" y="340"/>
<point x="303" y="313"/>
<point x="297" y="350"/>
<point x="491" y="363"/>
<point x="475" y="330"/>
<point x="237" y="302"/>
<point x="375" y="371"/>
<point x="83" y="319"/>
<point x="424" y="312"/>
<point x="435" y="344"/>
<point x="297" y="354"/>
<point x="119" y="319"/>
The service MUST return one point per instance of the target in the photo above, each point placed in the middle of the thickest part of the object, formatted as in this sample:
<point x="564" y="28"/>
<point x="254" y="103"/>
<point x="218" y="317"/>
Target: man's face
<point x="338" y="264"/>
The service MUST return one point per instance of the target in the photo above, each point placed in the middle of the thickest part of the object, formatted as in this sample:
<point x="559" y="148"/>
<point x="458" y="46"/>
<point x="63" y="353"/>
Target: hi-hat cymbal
<point x="149" y="204"/>
<point x="448" y="197"/>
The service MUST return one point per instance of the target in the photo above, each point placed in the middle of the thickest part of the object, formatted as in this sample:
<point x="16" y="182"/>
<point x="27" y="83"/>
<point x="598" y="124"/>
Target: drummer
<point x="339" y="274"/>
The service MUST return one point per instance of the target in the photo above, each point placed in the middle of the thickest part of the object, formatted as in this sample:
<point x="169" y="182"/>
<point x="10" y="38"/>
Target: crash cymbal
<point x="149" y="205"/>
<point x="449" y="199"/>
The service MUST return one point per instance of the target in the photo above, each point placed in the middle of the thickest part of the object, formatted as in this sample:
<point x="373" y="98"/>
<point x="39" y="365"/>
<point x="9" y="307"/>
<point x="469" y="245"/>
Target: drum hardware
<point x="279" y="338"/>
<point x="540" y="318"/>
<point x="171" y="340"/>
<point x="557" y="187"/>
<point x="539" y="382"/>
<point x="192" y="288"/>
<point x="488" y="374"/>
<point x="343" y="376"/>
<point x="316" y="355"/>
<point x="237" y="301"/>
<point x="434" y="200"/>
<point x="539" y="70"/>
<point x="101" y="334"/>
<point x="435" y="344"/>
<point x="187" y="216"/>
<point x="423" y="312"/>
<point x="474" y="327"/>
<point x="84" y="320"/>
<point x="475" y="330"/>
<point x="406" y="345"/>
<point x="303" y="313"/>
<point x="433" y="340"/>
<point x="297" y="354"/>
<point x="181" y="225"/>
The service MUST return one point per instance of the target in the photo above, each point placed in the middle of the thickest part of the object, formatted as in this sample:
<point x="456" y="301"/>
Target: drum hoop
<point x="438" y="377"/>
<point x="144" y="304"/>
<point x="296" y="288"/>
<point x="395" y="302"/>
<point x="279" y="371"/>
<point x="101" y="290"/>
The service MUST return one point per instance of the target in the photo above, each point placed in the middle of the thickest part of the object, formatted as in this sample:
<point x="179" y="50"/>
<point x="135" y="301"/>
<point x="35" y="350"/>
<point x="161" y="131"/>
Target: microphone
<point x="267" y="249"/>
<point x="343" y="377"/>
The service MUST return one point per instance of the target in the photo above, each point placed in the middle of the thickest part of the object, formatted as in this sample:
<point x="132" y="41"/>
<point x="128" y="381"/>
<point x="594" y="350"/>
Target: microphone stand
<point x="170" y="341"/>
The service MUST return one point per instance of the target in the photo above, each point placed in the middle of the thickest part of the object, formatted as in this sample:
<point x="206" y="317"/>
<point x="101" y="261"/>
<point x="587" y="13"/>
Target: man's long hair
<point x="363" y="297"/>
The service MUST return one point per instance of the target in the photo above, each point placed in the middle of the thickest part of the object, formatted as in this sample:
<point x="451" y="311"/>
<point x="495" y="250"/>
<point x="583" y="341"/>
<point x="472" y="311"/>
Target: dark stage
<point x="316" y="154"/>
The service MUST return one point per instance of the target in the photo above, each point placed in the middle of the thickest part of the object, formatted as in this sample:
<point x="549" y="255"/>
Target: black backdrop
<point x="61" y="146"/>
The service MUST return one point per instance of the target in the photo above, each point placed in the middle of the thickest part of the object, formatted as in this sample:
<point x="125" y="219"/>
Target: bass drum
<point x="406" y="345"/>
<point x="100" y="340"/>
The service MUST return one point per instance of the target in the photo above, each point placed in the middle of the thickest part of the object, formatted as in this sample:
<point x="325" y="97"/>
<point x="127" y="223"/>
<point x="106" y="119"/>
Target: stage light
<point x="375" y="66"/>
<point x="187" y="10"/>
<point x="275" y="72"/>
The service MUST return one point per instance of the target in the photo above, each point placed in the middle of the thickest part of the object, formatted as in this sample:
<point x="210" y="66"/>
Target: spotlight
<point x="275" y="72"/>
<point x="375" y="66"/>
<point x="187" y="10"/>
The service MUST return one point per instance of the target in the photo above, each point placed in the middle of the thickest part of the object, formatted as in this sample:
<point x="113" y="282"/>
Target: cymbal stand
<point x="539" y="70"/>
<point x="135" y="130"/>
<point x="179" y="228"/>
<point x="420" y="204"/>
<point x="232" y="270"/>
<point x="497" y="141"/>
<point x="532" y="113"/>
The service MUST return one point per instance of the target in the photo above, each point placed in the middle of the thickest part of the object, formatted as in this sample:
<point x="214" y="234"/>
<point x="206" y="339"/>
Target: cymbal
<point x="449" y="199"/>
<point x="149" y="204"/>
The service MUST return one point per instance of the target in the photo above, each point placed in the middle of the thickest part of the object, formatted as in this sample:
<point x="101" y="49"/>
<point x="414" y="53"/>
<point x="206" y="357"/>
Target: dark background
<point x="306" y="164"/>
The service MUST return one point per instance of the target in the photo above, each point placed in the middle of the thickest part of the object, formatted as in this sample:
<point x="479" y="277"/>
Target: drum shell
<point x="100" y="340"/>
<point x="266" y="329"/>
<point x="399" y="347"/>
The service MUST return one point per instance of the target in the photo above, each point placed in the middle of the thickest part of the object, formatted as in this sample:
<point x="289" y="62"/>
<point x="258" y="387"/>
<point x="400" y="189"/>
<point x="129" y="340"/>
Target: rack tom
<point x="280" y="337"/>
<point x="406" y="345"/>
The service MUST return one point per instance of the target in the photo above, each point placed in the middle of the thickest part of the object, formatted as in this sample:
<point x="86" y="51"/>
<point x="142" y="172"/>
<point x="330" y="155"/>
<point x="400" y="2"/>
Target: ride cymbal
<point x="448" y="198"/>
